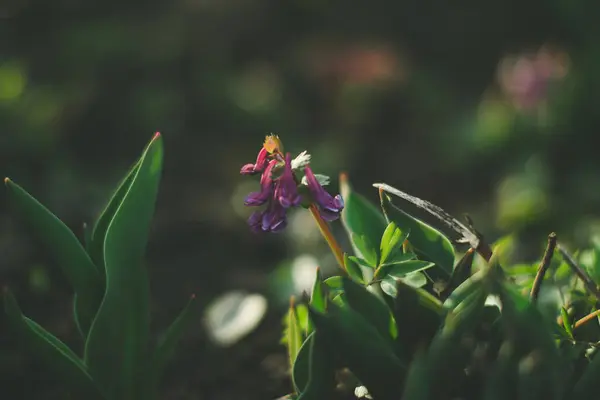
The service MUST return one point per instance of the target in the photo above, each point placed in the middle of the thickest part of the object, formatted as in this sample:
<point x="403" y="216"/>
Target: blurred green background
<point x="482" y="107"/>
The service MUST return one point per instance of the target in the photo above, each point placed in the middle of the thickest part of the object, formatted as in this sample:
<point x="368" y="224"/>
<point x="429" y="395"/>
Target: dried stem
<point x="326" y="232"/>
<point x="587" y="318"/>
<point x="544" y="264"/>
<point x="581" y="274"/>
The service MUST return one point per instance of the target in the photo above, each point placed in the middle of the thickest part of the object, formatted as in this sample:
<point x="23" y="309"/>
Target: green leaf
<point x="98" y="235"/>
<point x="417" y="381"/>
<point x="567" y="322"/>
<point x="399" y="270"/>
<point x="335" y="285"/>
<point x="293" y="334"/>
<point x="166" y="346"/>
<point x="65" y="249"/>
<point x="531" y="336"/>
<point x="462" y="271"/>
<point x="464" y="290"/>
<point x="318" y="298"/>
<point x="360" y="217"/>
<point x="360" y="261"/>
<point x="301" y="366"/>
<point x="314" y="369"/>
<point x="359" y="346"/>
<point x="588" y="386"/>
<point x="448" y="356"/>
<point x="416" y="280"/>
<point x="424" y="238"/>
<point x="303" y="319"/>
<point x="391" y="241"/>
<point x="365" y="248"/>
<point x="87" y="237"/>
<point x="116" y="349"/>
<point x="417" y="315"/>
<point x="368" y="305"/>
<point x="398" y="257"/>
<point x="56" y="354"/>
<point x="353" y="269"/>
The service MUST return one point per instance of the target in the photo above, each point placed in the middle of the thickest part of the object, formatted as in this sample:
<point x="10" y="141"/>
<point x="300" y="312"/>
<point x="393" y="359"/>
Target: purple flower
<point x="286" y="189"/>
<point x="266" y="188"/>
<point x="255" y="221"/>
<point x="273" y="219"/>
<point x="261" y="163"/>
<point x="329" y="207"/>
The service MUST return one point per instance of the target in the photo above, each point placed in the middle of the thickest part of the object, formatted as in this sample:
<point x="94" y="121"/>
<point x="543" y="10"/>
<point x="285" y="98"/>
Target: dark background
<point x="485" y="107"/>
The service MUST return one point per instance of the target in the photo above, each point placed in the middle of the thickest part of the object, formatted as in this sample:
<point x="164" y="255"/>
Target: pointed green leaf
<point x="566" y="322"/>
<point x="335" y="285"/>
<point x="360" y="261"/>
<point x="318" y="298"/>
<point x="55" y="353"/>
<point x="166" y="346"/>
<point x="424" y="238"/>
<point x="98" y="235"/>
<point x="87" y="237"/>
<point x="398" y="257"/>
<point x="464" y="289"/>
<point x="303" y="319"/>
<point x="448" y="356"/>
<point x="360" y="217"/>
<point x="368" y="305"/>
<point x="462" y="271"/>
<point x="314" y="369"/>
<point x="416" y="280"/>
<point x="293" y="334"/>
<point x="398" y="270"/>
<point x="301" y="366"/>
<point x="116" y="349"/>
<point x="66" y="249"/>
<point x="353" y="269"/>
<point x="531" y="334"/>
<point x="417" y="381"/>
<point x="588" y="386"/>
<point x="391" y="241"/>
<point x="359" y="346"/>
<point x="365" y="248"/>
<point x="418" y="316"/>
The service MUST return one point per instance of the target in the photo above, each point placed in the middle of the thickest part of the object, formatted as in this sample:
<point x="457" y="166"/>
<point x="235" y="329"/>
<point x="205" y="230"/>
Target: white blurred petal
<point x="233" y="315"/>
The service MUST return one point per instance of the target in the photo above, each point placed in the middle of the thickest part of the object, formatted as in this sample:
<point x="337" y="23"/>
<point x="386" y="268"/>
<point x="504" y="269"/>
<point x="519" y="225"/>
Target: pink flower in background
<point x="526" y="79"/>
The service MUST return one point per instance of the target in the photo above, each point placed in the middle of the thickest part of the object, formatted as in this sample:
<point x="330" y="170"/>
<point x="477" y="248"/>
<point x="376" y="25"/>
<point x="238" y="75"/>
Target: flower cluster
<point x="280" y="188"/>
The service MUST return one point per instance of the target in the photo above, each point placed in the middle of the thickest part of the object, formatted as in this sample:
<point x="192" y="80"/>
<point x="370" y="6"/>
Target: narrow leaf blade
<point x="98" y="235"/>
<point x="58" y="356"/>
<point x="166" y="347"/>
<point x="116" y="349"/>
<point x="66" y="249"/>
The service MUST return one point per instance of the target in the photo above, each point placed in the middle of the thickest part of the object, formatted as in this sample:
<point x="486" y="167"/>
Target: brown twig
<point x="585" y="319"/>
<point x="329" y="238"/>
<point x="581" y="274"/>
<point x="544" y="264"/>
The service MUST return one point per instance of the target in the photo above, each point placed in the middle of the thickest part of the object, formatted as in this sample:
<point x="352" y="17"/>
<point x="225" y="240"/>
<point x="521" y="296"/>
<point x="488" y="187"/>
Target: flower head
<point x="279" y="188"/>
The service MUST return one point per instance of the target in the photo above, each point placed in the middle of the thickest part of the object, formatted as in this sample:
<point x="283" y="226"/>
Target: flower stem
<point x="326" y="232"/>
